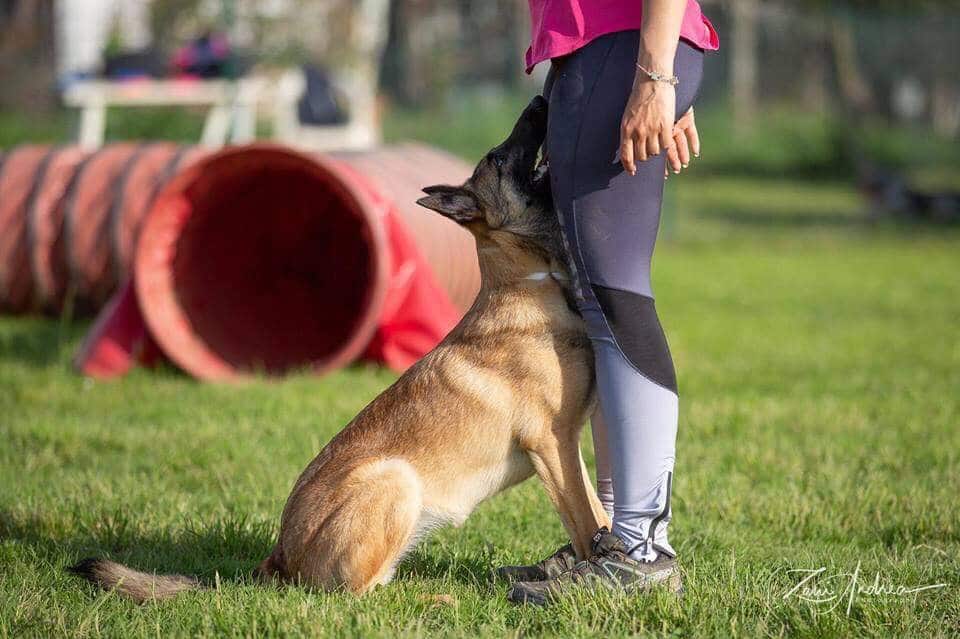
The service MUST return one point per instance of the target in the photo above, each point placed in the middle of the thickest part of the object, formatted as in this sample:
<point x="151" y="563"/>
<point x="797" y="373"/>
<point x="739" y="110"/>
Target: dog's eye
<point x="498" y="161"/>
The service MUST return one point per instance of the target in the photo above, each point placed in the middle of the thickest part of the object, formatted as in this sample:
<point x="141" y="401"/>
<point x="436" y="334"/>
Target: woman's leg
<point x="610" y="221"/>
<point x="598" y="428"/>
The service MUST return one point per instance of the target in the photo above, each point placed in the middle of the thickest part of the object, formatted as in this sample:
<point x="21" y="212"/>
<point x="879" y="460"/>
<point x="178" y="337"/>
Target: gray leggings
<point x="610" y="221"/>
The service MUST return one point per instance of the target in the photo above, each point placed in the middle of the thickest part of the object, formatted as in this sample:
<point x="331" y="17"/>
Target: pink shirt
<point x="559" y="27"/>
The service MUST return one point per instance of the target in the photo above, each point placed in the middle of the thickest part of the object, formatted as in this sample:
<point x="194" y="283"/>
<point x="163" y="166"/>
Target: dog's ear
<point x="453" y="202"/>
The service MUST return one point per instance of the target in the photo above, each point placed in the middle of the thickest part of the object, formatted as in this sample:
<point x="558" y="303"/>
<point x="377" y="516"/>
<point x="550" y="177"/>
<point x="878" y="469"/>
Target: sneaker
<point x="609" y="567"/>
<point x="559" y="562"/>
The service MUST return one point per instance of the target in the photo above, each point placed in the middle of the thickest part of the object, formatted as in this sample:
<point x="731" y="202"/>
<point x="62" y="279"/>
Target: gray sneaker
<point x="559" y="562"/>
<point x="610" y="567"/>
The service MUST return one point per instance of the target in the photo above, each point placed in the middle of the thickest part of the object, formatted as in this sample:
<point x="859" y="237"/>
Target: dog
<point x="504" y="396"/>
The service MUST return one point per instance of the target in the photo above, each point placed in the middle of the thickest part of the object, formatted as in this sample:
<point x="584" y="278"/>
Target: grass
<point x="819" y="370"/>
<point x="179" y="124"/>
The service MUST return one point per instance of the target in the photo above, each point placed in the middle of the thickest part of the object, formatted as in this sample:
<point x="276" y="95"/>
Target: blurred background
<point x="806" y="89"/>
<point x="823" y="123"/>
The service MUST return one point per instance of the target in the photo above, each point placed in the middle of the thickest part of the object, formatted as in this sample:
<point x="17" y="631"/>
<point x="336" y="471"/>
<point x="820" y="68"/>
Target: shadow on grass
<point x="891" y="225"/>
<point x="474" y="569"/>
<point x="228" y="547"/>
<point x="39" y="342"/>
<point x="779" y="221"/>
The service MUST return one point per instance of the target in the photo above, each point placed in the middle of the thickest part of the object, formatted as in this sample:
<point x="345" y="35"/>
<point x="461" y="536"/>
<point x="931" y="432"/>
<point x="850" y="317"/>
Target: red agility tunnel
<point x="86" y="223"/>
<point x="132" y="194"/>
<point x="21" y="170"/>
<point x="44" y="223"/>
<point x="262" y="259"/>
<point x="136" y="191"/>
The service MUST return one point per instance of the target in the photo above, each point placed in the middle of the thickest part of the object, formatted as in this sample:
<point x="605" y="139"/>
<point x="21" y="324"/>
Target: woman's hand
<point x="686" y="142"/>
<point x="647" y="125"/>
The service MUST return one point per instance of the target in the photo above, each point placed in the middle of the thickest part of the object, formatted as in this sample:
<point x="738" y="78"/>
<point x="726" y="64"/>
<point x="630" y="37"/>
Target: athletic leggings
<point x="610" y="220"/>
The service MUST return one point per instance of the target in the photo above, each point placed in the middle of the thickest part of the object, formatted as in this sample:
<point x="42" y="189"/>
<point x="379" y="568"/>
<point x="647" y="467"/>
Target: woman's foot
<point x="610" y="567"/>
<point x="553" y="566"/>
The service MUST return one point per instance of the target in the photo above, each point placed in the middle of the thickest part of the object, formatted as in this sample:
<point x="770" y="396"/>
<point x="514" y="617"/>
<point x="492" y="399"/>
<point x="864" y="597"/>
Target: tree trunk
<point x="857" y="96"/>
<point x="815" y="67"/>
<point x="945" y="109"/>
<point x="520" y="37"/>
<point x="26" y="56"/>
<point x="743" y="61"/>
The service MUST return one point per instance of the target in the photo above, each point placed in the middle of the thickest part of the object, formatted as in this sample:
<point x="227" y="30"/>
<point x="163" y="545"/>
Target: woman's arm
<point x="660" y="34"/>
<point x="647" y="125"/>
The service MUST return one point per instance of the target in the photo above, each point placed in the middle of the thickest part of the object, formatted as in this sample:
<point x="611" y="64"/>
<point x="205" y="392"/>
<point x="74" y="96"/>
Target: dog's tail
<point x="139" y="586"/>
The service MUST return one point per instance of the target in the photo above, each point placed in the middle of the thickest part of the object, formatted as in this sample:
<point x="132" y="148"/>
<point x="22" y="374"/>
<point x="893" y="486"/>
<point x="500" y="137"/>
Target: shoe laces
<point x="604" y="544"/>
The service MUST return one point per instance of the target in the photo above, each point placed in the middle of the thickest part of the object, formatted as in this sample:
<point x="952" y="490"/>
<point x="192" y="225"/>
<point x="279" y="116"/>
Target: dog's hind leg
<point x="359" y="546"/>
<point x="560" y="467"/>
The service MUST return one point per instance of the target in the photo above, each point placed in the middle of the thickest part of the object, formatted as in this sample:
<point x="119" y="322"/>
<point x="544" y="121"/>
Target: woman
<point x="620" y="72"/>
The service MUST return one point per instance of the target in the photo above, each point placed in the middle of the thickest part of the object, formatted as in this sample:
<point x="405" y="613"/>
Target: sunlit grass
<point x="819" y="370"/>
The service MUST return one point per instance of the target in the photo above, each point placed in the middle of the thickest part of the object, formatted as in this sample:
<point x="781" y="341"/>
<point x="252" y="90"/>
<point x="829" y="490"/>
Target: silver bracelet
<point x="672" y="80"/>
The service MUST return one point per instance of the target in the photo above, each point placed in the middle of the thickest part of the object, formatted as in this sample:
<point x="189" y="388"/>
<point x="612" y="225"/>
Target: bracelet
<point x="672" y="80"/>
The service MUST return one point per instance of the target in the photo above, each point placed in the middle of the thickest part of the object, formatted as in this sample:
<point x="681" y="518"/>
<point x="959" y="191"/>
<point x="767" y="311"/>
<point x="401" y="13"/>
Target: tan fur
<point x="139" y="586"/>
<point x="503" y="397"/>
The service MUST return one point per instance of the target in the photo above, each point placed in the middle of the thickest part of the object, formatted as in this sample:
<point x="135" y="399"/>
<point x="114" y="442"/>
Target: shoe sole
<point x="524" y="598"/>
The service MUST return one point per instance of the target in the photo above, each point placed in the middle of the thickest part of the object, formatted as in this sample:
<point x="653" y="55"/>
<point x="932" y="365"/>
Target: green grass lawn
<point x="819" y="371"/>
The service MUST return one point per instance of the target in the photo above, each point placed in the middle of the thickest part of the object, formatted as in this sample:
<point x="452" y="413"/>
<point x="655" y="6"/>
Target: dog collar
<point x="539" y="276"/>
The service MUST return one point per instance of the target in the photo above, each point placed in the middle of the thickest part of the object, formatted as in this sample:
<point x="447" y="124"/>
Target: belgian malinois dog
<point x="502" y="397"/>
